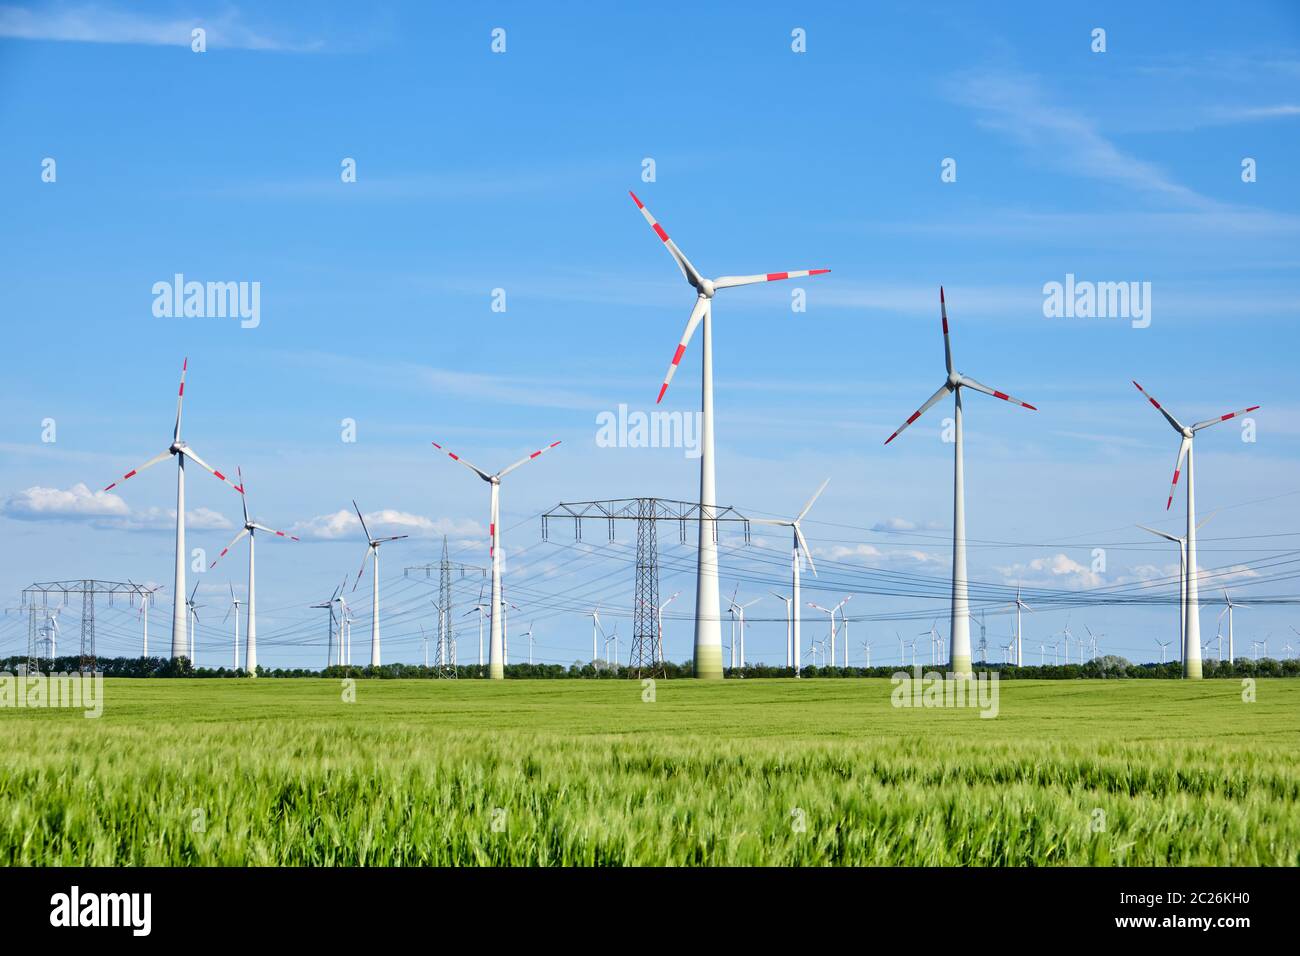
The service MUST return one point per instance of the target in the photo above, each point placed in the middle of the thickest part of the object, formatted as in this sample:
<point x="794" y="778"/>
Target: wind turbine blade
<point x="180" y="400"/>
<point x="526" y="459"/>
<point x="947" y="346"/>
<point x="816" y="495"/>
<point x="729" y="282"/>
<point x="1162" y="534"/>
<point x="689" y="271"/>
<point x="803" y="549"/>
<point x="360" y="573"/>
<point x="233" y="541"/>
<point x="1222" y="418"/>
<point x="189" y="453"/>
<point x="278" y="534"/>
<point x="227" y="617"/>
<point x="979" y="387"/>
<point x="395" y="537"/>
<point x="455" y="457"/>
<point x="1183" y="447"/>
<point x="944" y="389"/>
<point x="243" y="497"/>
<point x="194" y="591"/>
<point x="364" y="529"/>
<point x="135" y="471"/>
<point x="1178" y="427"/>
<point x="697" y="313"/>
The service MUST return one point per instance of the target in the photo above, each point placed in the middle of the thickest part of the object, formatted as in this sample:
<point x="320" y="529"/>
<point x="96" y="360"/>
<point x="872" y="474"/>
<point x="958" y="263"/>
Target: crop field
<point x="768" y="772"/>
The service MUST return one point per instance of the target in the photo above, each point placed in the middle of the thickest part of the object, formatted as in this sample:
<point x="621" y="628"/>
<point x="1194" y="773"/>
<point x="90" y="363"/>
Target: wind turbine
<point x="194" y="618"/>
<point x="250" y="528"/>
<point x="1094" y="638"/>
<point x="594" y="614"/>
<point x="866" y="652"/>
<point x="1019" y="605"/>
<point x="844" y="619"/>
<point x="372" y="552"/>
<point x="612" y="639"/>
<point x="1230" y="606"/>
<point x="482" y="609"/>
<point x="933" y="634"/>
<point x="659" y="617"/>
<point x="234" y="607"/>
<point x="345" y="625"/>
<point x="1192" y="618"/>
<point x="1182" y="578"/>
<point x="529" y="634"/>
<point x="959" y="655"/>
<point x="740" y="611"/>
<point x="182" y="451"/>
<point x="708" y="622"/>
<point x="831" y="639"/>
<point x="799" y="547"/>
<point x="1163" y="646"/>
<point x="496" y="641"/>
<point x="330" y="641"/>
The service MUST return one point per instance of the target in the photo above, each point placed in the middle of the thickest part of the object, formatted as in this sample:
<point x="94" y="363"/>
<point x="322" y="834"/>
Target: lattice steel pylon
<point x="87" y="588"/>
<point x="88" y="660"/>
<point x="445" y="650"/>
<point x="647" y="644"/>
<point x="445" y="660"/>
<point x="645" y="659"/>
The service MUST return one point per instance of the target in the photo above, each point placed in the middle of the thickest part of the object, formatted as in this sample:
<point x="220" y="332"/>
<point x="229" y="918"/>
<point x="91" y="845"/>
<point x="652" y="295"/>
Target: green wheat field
<point x="542" y="773"/>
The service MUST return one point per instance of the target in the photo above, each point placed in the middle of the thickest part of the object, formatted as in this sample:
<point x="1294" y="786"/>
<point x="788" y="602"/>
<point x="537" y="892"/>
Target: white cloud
<point x="343" y="524"/>
<point x="91" y="23"/>
<point x="1057" y="570"/>
<point x="39" y="503"/>
<point x="102" y="510"/>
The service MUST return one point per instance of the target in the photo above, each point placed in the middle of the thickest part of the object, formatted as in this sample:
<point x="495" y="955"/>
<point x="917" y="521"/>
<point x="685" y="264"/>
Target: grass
<point x="231" y="772"/>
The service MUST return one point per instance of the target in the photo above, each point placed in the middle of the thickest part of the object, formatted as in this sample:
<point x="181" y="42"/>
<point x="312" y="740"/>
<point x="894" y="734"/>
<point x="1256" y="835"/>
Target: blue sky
<point x="479" y="171"/>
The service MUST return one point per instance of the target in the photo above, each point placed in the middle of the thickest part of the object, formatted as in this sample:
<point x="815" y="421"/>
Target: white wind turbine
<point x="659" y="617"/>
<point x="1192" y="617"/>
<point x="1181" y="541"/>
<point x="830" y="640"/>
<point x="959" y="654"/>
<point x="798" y="548"/>
<point x="866" y="652"/>
<point x="480" y="608"/>
<point x="708" y="623"/>
<point x="372" y="552"/>
<point x="496" y="640"/>
<point x="844" y="619"/>
<point x="1163" y="646"/>
<point x="333" y="635"/>
<point x="234" y="608"/>
<point x="1229" y="606"/>
<point x="250" y="529"/>
<point x="345" y="625"/>
<point x="529" y="634"/>
<point x="739" y="610"/>
<point x="594" y="614"/>
<point x="1019" y="606"/>
<point x="182" y="451"/>
<point x="194" y="619"/>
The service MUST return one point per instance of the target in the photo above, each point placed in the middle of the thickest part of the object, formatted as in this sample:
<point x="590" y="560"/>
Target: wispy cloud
<point x="93" y="23"/>
<point x="1017" y="104"/>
